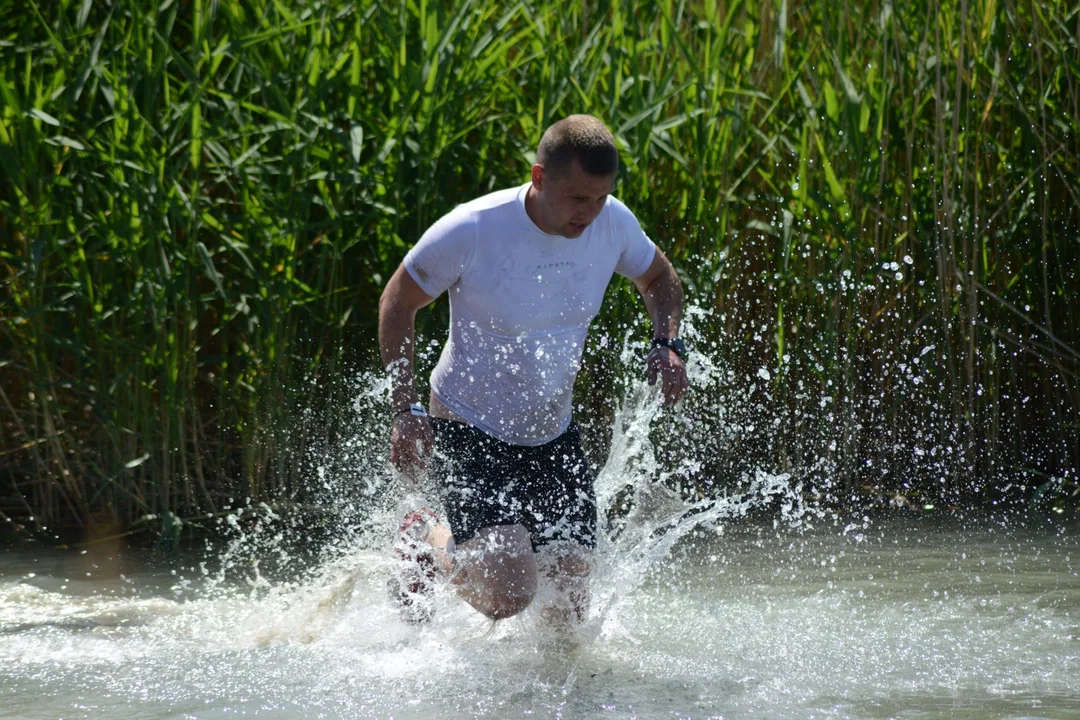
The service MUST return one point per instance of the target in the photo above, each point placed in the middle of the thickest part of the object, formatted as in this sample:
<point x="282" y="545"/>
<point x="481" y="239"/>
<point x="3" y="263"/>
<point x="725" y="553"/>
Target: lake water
<point x="897" y="618"/>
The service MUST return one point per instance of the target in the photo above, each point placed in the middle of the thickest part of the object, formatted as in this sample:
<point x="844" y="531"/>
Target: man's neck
<point x="531" y="209"/>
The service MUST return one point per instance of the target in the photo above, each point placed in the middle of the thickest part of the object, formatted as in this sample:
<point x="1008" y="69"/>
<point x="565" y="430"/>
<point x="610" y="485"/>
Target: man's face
<point x="569" y="200"/>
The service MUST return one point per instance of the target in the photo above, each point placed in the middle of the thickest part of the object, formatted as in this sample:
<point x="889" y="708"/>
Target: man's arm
<point x="400" y="300"/>
<point x="662" y="291"/>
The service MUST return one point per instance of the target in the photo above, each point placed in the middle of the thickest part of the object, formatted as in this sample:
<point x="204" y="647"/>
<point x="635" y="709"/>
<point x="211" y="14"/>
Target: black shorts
<point x="487" y="482"/>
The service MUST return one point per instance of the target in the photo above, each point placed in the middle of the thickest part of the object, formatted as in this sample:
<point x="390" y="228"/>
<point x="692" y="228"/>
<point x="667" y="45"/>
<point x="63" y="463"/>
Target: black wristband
<point x="674" y="344"/>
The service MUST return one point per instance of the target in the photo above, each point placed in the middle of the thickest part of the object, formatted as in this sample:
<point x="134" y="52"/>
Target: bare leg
<point x="568" y="570"/>
<point x="495" y="572"/>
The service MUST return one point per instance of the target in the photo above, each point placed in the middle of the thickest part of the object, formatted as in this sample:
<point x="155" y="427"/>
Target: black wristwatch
<point x="674" y="344"/>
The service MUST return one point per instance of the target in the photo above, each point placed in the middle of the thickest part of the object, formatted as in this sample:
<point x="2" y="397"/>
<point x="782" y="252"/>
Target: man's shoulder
<point x="480" y="210"/>
<point x="619" y="209"/>
<point x="465" y="222"/>
<point x="621" y="218"/>
<point x="497" y="200"/>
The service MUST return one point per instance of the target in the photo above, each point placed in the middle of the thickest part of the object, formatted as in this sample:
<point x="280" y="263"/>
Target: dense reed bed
<point x="874" y="206"/>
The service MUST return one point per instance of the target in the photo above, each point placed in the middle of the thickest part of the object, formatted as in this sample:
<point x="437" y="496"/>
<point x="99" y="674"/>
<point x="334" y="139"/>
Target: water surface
<point x="905" y="618"/>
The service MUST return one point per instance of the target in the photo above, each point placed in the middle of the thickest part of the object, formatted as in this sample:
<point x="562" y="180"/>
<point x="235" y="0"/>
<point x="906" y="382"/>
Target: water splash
<point x="646" y="498"/>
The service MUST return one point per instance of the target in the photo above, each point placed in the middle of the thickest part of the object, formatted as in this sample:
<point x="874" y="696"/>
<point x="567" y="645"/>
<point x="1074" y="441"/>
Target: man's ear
<point x="538" y="177"/>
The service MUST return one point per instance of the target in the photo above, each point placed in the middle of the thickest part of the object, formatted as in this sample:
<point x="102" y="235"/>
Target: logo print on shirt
<point x="556" y="265"/>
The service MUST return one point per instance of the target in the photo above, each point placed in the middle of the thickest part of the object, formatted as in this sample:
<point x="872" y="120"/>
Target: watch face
<point x="674" y="344"/>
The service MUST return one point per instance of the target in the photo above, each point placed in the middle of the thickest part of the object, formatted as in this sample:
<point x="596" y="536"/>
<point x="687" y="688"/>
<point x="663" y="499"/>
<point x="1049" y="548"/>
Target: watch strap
<point x="676" y="345"/>
<point x="414" y="409"/>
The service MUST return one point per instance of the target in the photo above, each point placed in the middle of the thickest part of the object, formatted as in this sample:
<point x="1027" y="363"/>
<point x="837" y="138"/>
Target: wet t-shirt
<point x="521" y="302"/>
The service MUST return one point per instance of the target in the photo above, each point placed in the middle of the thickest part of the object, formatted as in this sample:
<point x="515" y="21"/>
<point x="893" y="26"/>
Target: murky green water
<point x="896" y="618"/>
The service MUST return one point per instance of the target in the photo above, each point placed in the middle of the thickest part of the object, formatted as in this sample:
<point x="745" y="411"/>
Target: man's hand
<point x="665" y="364"/>
<point x="411" y="441"/>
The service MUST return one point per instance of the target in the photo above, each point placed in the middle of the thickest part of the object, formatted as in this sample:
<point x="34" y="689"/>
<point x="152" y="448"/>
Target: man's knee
<point x="571" y="564"/>
<point x="500" y="571"/>
<point x="574" y="565"/>
<point x="508" y="604"/>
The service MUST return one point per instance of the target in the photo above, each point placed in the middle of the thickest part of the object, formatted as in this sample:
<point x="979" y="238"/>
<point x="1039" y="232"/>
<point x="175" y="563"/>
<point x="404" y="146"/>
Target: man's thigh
<point x="488" y="483"/>
<point x="560" y="497"/>
<point x="471" y="468"/>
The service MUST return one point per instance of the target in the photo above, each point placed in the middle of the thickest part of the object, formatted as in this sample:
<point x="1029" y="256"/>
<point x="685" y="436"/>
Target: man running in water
<point x="526" y="270"/>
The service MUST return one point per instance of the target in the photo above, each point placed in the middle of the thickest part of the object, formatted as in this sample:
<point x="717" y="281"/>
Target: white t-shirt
<point x="521" y="302"/>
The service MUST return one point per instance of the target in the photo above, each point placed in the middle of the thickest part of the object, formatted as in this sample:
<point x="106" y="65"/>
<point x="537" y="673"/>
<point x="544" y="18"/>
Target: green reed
<point x="202" y="200"/>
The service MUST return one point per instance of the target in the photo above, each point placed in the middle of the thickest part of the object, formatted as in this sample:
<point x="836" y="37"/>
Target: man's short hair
<point x="579" y="137"/>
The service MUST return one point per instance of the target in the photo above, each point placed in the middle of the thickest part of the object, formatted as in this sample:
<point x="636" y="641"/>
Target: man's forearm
<point x="396" y="334"/>
<point x="664" y="301"/>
